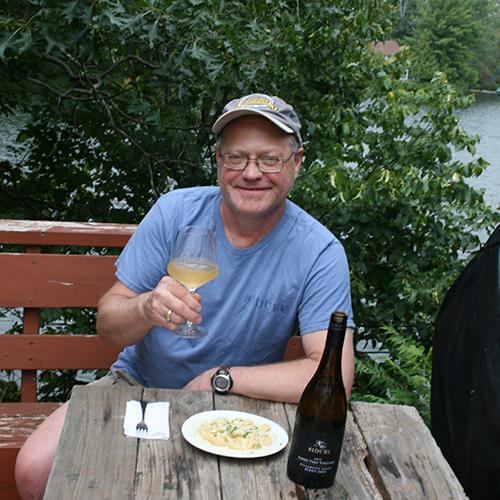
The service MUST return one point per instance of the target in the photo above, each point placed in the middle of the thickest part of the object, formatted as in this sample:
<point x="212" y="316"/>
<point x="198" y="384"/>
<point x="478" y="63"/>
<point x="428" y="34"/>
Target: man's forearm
<point x="284" y="381"/>
<point x="120" y="320"/>
<point x="287" y="380"/>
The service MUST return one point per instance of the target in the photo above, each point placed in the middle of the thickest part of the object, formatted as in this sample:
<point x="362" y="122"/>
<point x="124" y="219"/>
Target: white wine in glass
<point x="192" y="273"/>
<point x="193" y="264"/>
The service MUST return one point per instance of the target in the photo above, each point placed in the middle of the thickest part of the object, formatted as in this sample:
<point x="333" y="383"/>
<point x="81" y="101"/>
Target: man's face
<point x="251" y="194"/>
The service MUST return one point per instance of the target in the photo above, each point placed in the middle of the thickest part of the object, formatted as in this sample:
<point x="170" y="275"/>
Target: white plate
<point x="190" y="431"/>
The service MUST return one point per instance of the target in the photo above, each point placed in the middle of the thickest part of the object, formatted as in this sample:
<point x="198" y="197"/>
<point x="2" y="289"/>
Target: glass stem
<point x="189" y="324"/>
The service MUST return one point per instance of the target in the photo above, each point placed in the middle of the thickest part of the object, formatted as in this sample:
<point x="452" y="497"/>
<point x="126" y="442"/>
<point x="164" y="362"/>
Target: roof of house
<point x="387" y="47"/>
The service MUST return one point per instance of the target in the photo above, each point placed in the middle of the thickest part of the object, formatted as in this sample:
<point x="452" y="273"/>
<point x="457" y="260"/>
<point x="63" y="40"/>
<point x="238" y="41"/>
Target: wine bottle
<point x="321" y="415"/>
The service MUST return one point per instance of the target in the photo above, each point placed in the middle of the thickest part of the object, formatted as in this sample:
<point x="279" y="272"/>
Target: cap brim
<point x="229" y="116"/>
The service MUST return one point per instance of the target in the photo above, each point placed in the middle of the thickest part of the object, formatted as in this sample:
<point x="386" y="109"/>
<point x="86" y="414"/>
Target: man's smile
<point x="253" y="189"/>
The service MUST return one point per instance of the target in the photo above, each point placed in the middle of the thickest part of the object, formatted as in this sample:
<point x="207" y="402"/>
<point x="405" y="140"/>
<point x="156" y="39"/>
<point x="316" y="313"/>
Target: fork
<point x="141" y="426"/>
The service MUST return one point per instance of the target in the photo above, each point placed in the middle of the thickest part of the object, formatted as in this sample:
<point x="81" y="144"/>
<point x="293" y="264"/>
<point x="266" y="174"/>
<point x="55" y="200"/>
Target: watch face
<point x="221" y="382"/>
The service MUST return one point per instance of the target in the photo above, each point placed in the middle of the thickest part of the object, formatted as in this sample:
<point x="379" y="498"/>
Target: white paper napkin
<point x="156" y="420"/>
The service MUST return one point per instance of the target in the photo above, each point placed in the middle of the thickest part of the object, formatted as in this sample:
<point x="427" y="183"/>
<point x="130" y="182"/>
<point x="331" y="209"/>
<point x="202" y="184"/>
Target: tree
<point x="458" y="38"/>
<point x="119" y="98"/>
<point x="405" y="14"/>
<point x="487" y="47"/>
<point x="446" y="30"/>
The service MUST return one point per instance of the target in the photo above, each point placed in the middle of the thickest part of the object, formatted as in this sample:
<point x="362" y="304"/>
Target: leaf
<point x="8" y="42"/>
<point x="68" y="12"/>
<point x="3" y="47"/>
<point x="23" y="42"/>
<point x="152" y="31"/>
<point x="115" y="16"/>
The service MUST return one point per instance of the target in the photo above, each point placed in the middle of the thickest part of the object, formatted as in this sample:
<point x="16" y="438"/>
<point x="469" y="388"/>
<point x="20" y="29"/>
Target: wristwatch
<point x="221" y="380"/>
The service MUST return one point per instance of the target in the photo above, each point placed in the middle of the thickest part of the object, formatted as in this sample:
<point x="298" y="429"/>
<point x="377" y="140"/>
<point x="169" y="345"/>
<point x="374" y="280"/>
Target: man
<point x="276" y="265"/>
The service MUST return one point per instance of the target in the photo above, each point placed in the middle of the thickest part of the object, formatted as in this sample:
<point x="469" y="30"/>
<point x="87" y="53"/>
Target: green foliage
<point x="461" y="39"/>
<point x="393" y="193"/>
<point x="118" y="99"/>
<point x="402" y="377"/>
<point x="405" y="18"/>
<point x="487" y="48"/>
<point x="446" y="31"/>
<point x="9" y="390"/>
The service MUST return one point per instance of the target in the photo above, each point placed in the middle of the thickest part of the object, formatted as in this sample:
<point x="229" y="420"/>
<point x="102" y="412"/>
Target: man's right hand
<point x="124" y="317"/>
<point x="170" y="295"/>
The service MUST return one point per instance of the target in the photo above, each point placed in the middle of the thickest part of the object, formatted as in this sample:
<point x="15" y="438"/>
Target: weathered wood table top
<point x="388" y="453"/>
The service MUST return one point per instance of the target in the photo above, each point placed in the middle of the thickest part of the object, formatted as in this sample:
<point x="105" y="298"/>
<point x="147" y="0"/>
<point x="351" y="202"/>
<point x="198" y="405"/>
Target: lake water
<point x="483" y="119"/>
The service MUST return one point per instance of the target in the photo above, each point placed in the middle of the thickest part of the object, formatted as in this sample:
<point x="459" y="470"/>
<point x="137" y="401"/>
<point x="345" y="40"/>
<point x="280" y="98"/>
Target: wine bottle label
<point x="318" y="453"/>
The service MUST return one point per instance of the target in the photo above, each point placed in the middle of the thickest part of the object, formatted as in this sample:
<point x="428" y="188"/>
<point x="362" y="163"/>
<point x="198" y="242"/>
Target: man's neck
<point x="243" y="233"/>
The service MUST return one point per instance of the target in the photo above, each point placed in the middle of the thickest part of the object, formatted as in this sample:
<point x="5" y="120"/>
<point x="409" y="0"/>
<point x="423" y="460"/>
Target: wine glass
<point x="193" y="263"/>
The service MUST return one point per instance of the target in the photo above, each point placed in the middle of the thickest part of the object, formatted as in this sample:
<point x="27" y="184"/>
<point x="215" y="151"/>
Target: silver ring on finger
<point x="168" y="317"/>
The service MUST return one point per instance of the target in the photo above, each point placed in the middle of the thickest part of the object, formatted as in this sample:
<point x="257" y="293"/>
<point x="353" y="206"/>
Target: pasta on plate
<point x="236" y="433"/>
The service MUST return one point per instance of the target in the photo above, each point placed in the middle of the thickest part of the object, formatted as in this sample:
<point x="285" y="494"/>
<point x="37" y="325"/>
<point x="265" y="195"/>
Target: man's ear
<point x="216" y="151"/>
<point x="298" y="160"/>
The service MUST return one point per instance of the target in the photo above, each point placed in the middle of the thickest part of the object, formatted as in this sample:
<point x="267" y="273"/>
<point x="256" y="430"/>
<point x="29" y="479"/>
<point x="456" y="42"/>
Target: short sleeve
<point x="143" y="261"/>
<point x="327" y="289"/>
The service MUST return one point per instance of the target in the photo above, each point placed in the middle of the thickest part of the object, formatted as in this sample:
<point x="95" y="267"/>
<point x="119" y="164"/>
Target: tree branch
<point x="66" y="94"/>
<point x="69" y="72"/>
<point x="126" y="59"/>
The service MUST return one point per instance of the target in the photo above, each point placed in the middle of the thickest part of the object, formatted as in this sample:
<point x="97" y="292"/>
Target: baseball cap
<point x="273" y="108"/>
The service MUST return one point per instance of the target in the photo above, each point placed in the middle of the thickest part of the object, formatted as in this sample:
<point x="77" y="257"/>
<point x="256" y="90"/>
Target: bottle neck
<point x="331" y="360"/>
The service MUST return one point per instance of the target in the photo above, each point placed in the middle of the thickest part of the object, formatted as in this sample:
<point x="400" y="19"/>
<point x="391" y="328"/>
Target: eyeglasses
<point x="266" y="164"/>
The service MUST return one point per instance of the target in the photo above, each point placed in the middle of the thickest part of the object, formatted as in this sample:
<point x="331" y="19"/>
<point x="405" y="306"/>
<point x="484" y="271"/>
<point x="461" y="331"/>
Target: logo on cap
<point x="273" y="108"/>
<point x="257" y="102"/>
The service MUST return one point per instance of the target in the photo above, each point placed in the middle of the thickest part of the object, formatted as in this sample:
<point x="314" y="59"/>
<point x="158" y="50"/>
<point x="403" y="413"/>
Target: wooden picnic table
<point x="388" y="452"/>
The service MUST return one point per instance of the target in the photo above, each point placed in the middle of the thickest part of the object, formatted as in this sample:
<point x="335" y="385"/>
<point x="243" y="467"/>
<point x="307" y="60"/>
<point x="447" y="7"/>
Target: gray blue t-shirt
<point x="298" y="271"/>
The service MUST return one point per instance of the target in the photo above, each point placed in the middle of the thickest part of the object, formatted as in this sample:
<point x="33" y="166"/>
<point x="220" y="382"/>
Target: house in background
<point x="388" y="49"/>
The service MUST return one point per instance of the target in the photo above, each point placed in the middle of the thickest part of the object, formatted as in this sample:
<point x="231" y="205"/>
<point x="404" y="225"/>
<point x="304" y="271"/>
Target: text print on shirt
<point x="264" y="303"/>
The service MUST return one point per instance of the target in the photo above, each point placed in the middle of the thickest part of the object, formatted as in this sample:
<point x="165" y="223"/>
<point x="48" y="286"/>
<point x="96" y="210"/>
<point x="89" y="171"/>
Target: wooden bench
<point x="33" y="280"/>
